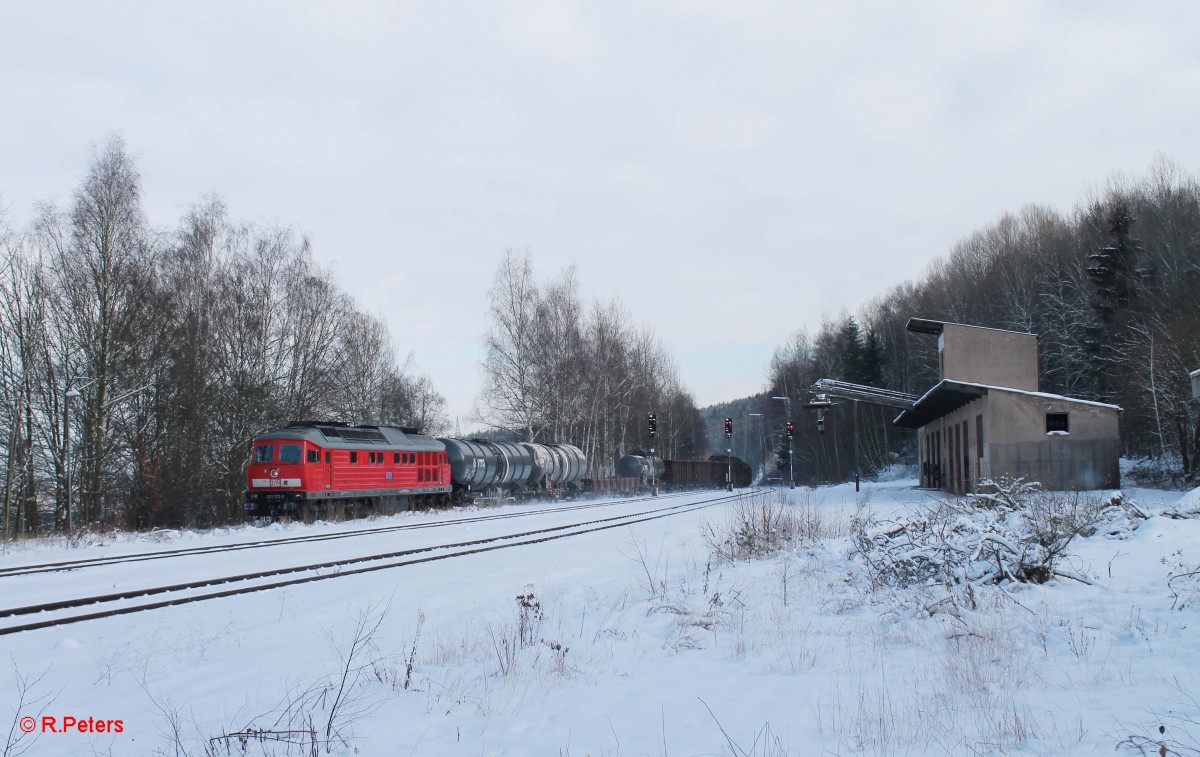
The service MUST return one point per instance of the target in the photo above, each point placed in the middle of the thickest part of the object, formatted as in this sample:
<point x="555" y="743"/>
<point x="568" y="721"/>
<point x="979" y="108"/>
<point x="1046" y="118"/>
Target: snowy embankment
<point x="667" y="638"/>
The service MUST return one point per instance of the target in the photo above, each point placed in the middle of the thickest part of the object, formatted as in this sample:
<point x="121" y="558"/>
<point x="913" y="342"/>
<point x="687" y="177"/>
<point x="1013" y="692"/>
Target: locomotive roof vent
<point x="338" y="431"/>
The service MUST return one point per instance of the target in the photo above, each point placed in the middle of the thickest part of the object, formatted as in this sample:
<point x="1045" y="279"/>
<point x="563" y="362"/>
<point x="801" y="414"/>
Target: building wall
<point x="1086" y="457"/>
<point x="988" y="356"/>
<point x="1015" y="443"/>
<point x="951" y="445"/>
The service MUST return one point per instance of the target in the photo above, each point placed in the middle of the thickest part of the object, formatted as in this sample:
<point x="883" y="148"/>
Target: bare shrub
<point x="764" y="524"/>
<point x="1015" y="532"/>
<point x="17" y="741"/>
<point x="653" y="583"/>
<point x="1177" y="731"/>
<point x="323" y="714"/>
<point x="508" y="640"/>
<point x="765" y="742"/>
<point x="1183" y="583"/>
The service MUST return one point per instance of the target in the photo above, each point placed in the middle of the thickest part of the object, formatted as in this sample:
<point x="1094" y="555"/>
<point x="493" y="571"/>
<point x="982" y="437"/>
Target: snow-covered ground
<point x="634" y="641"/>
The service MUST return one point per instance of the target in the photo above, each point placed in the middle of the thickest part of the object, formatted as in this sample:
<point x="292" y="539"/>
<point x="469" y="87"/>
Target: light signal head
<point x="729" y="428"/>
<point x="791" y="429"/>
<point x="653" y="421"/>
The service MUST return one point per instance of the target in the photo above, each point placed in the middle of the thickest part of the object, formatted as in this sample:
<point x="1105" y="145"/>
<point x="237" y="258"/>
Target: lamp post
<point x="787" y="409"/>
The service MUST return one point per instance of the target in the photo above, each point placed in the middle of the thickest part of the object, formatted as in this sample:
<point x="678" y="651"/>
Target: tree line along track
<point x="90" y="562"/>
<point x="387" y="561"/>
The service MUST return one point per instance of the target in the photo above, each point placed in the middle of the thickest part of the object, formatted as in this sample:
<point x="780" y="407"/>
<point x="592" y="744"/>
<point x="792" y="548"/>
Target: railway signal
<point x="729" y="428"/>
<point x="653" y="425"/>
<point x="791" y="430"/>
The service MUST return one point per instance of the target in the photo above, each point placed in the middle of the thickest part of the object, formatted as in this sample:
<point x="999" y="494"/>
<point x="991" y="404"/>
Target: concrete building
<point x="986" y="418"/>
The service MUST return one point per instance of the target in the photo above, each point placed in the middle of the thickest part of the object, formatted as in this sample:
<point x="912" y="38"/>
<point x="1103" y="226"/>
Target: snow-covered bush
<point x="766" y="523"/>
<point x="1165" y="472"/>
<point x="1011" y="531"/>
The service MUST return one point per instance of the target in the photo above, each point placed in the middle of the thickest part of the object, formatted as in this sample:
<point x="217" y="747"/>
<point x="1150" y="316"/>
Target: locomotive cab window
<point x="263" y="453"/>
<point x="314" y="456"/>
<point x="289" y="453"/>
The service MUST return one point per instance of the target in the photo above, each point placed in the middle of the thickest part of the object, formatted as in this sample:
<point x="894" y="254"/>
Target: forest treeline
<point x="1111" y="288"/>
<point x="561" y="370"/>
<point x="137" y="363"/>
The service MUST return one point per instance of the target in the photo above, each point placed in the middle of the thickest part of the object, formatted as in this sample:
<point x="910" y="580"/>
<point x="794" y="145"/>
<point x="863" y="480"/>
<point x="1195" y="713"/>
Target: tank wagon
<point x="480" y="467"/>
<point x="645" y="468"/>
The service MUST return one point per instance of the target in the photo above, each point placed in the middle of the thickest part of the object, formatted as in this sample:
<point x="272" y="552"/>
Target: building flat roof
<point x="930" y="326"/>
<point x="925" y="326"/>
<point x="947" y="396"/>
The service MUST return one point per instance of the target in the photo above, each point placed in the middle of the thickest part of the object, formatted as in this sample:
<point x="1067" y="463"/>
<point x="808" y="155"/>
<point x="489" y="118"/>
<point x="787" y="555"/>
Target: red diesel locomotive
<point x="308" y="463"/>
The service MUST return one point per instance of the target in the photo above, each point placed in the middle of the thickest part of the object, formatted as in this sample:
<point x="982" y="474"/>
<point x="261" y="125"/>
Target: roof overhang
<point x="939" y="401"/>
<point x="925" y="326"/>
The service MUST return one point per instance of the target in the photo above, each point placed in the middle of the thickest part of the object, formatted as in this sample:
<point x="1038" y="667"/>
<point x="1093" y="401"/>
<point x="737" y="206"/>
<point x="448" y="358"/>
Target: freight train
<point x="310" y="463"/>
<point x="686" y="474"/>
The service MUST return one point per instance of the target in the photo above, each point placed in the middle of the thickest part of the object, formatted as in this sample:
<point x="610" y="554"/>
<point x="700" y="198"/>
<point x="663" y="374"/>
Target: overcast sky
<point x="731" y="171"/>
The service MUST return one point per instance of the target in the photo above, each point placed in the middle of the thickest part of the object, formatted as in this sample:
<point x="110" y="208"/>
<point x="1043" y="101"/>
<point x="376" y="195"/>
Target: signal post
<point x="729" y="454"/>
<point x="652" y="423"/>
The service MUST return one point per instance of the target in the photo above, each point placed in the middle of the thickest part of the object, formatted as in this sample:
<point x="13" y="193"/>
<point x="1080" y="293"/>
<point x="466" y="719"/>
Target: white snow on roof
<point x="1010" y="390"/>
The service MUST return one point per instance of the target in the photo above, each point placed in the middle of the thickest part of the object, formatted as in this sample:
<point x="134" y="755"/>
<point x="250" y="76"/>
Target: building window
<point x="1056" y="423"/>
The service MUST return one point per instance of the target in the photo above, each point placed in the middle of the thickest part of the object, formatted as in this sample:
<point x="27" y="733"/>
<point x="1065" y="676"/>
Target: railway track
<point x="119" y="603"/>
<point x="89" y="562"/>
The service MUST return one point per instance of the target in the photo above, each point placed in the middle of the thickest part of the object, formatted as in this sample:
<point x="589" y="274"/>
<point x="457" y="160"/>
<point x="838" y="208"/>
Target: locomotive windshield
<point x="263" y="453"/>
<point x="289" y="453"/>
